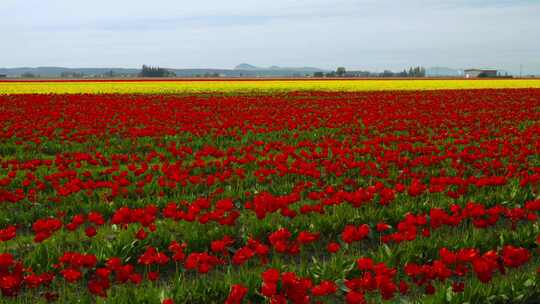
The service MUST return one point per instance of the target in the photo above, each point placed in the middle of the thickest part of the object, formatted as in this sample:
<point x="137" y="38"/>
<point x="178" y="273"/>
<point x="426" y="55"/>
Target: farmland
<point x="270" y="191"/>
<point x="253" y="85"/>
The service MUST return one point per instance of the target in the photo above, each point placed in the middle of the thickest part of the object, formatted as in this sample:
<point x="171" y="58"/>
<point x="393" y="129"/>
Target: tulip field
<point x="254" y="86"/>
<point x="338" y="192"/>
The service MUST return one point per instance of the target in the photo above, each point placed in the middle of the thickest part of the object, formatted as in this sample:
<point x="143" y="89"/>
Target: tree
<point x="109" y="74"/>
<point x="148" y="71"/>
<point x="28" y="75"/>
<point x="71" y="75"/>
<point x="387" y="73"/>
<point x="416" y="72"/>
<point x="318" y="74"/>
<point x="340" y="72"/>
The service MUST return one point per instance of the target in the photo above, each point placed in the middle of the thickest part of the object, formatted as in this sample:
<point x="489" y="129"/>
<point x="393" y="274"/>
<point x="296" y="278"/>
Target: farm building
<point x="480" y="73"/>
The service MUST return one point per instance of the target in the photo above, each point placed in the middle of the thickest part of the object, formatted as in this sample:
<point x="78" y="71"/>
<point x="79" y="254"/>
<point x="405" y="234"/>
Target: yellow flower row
<point x="182" y="86"/>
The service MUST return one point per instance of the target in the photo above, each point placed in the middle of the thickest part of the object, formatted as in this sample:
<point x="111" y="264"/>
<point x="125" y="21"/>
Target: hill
<point x="241" y="70"/>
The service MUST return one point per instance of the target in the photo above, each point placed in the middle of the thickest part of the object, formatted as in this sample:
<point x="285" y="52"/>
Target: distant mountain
<point x="205" y="72"/>
<point x="57" y="71"/>
<point x="275" y="71"/>
<point x="245" y="66"/>
<point x="241" y="70"/>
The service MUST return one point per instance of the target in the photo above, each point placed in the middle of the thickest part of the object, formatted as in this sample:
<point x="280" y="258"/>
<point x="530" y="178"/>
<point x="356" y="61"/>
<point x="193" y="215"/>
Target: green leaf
<point x="529" y="283"/>
<point x="449" y="294"/>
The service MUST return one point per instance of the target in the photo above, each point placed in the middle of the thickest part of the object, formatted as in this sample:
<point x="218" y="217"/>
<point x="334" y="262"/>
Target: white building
<point x="480" y="73"/>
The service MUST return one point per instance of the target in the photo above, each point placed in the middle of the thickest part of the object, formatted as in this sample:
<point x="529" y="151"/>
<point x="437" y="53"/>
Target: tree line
<point x="342" y="72"/>
<point x="148" y="71"/>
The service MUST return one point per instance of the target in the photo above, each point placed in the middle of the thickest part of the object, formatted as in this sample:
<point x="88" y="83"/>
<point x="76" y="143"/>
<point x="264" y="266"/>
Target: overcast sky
<point x="361" y="34"/>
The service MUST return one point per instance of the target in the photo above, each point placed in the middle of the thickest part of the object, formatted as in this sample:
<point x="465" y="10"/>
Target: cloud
<point x="206" y="33"/>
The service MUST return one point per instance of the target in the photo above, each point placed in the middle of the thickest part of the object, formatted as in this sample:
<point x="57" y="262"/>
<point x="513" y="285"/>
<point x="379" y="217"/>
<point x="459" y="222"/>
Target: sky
<point x="362" y="34"/>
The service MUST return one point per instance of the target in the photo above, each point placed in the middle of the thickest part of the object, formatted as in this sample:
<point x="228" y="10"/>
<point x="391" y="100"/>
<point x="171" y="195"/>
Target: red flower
<point x="515" y="256"/>
<point x="271" y="275"/>
<point x="324" y="288"/>
<point x="354" y="234"/>
<point x="484" y="269"/>
<point x="354" y="297"/>
<point x="8" y="234"/>
<point x="135" y="278"/>
<point x="78" y="219"/>
<point x="237" y="294"/>
<point x="178" y="250"/>
<point x="10" y="284"/>
<point x="416" y="188"/>
<point x="333" y="247"/>
<point x="71" y="275"/>
<point x="141" y="234"/>
<point x="124" y="273"/>
<point x="364" y="263"/>
<point x="403" y="287"/>
<point x="242" y="255"/>
<point x="98" y="287"/>
<point x="90" y="231"/>
<point x="268" y="289"/>
<point x="221" y="245"/>
<point x="382" y="227"/>
<point x="96" y="218"/>
<point x="201" y="261"/>
<point x="44" y="228"/>
<point x="152" y="256"/>
<point x="6" y="260"/>
<point x="430" y="289"/>
<point x="114" y="263"/>
<point x="153" y="275"/>
<point x="307" y="237"/>
<point x="225" y="204"/>
<point x="458" y="286"/>
<point x="103" y="273"/>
